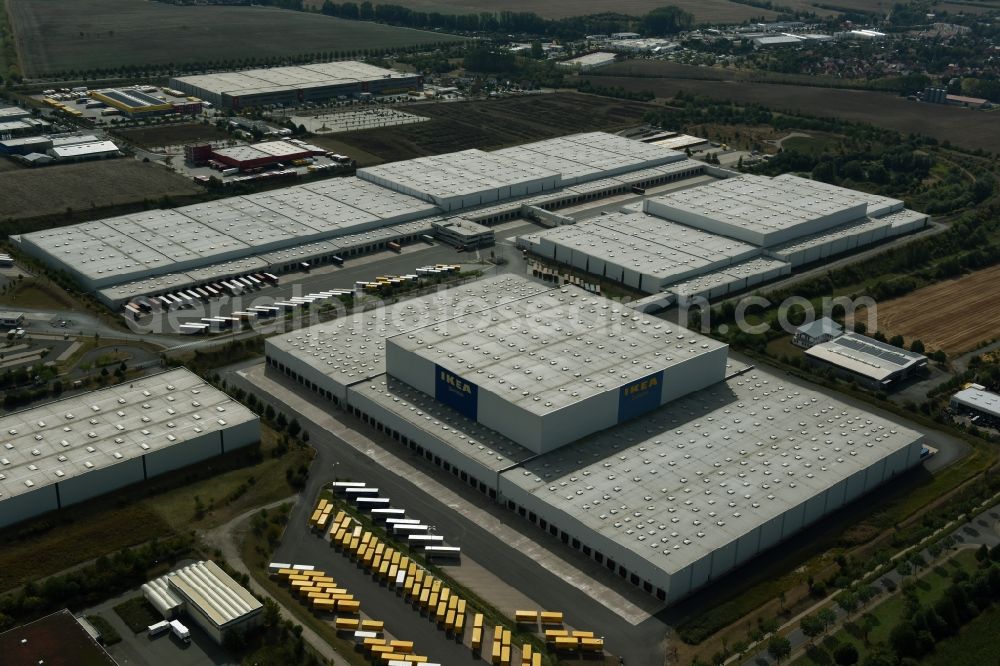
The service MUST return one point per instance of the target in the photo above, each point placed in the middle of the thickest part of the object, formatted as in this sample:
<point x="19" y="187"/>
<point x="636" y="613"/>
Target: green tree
<point x="848" y="602"/>
<point x="779" y="647"/>
<point x="846" y="654"/>
<point x="917" y="347"/>
<point x="827" y="617"/>
<point x="811" y="626"/>
<point x="665" y="21"/>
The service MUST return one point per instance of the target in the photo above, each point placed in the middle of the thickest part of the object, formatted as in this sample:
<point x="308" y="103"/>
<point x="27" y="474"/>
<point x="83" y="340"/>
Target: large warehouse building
<point x="157" y="251"/>
<point x="725" y="236"/>
<point x="716" y="232"/>
<point x="631" y="439"/>
<point x="72" y="450"/>
<point x="292" y="86"/>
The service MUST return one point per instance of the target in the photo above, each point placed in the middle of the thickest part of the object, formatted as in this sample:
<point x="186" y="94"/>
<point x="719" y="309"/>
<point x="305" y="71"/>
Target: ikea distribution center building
<point x="631" y="439"/>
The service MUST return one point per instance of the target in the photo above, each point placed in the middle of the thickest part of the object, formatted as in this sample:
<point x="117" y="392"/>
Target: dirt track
<point x="954" y="316"/>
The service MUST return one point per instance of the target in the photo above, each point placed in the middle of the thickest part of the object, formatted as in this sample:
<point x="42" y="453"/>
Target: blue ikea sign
<point x="457" y="393"/>
<point x="640" y="396"/>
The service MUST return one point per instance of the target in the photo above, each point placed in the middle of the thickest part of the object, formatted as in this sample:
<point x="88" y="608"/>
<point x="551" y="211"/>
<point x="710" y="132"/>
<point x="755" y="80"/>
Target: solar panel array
<point x="888" y="355"/>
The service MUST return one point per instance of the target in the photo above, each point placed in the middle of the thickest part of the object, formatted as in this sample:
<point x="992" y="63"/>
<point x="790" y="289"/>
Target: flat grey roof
<point x="456" y="174"/>
<point x="761" y="205"/>
<point x="866" y="356"/>
<point x="274" y="79"/>
<point x="98" y="429"/>
<point x="487" y="447"/>
<point x="129" y="247"/>
<point x="979" y="399"/>
<point x="352" y="349"/>
<point x="698" y="473"/>
<point x="548" y="350"/>
<point x="821" y="326"/>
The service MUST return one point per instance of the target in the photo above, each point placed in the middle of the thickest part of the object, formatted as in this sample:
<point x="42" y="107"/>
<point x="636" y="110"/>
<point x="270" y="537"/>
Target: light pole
<point x="335" y="470"/>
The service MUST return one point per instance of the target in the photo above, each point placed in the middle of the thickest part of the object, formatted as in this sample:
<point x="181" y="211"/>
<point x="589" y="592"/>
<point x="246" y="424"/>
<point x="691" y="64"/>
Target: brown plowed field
<point x="954" y="316"/>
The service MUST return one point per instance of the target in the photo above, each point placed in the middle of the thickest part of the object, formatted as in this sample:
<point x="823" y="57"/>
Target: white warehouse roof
<point x="95" y="430"/>
<point x="978" y="399"/>
<point x="701" y="472"/>
<point x="352" y="349"/>
<point x="866" y="356"/>
<point x="549" y="350"/>
<point x="760" y="210"/>
<point x="214" y="593"/>
<point x="272" y="79"/>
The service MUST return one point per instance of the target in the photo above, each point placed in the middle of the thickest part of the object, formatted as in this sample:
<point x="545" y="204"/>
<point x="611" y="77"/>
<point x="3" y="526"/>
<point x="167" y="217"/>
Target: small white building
<point x="979" y="403"/>
<point x="208" y="595"/>
<point x="823" y="329"/>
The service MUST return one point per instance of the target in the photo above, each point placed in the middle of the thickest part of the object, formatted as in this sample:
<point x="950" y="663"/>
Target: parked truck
<point x="180" y="631"/>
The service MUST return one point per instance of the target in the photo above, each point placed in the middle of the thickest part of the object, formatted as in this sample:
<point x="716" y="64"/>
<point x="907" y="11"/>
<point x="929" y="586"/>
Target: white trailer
<point x="410" y="529"/>
<point x="159" y="628"/>
<point x="384" y="514"/>
<point x="444" y="552"/>
<point x="425" y="540"/>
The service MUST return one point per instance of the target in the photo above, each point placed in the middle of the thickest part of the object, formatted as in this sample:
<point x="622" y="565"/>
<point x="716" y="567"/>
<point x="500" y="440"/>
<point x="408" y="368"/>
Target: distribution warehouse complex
<point x="295" y="85"/>
<point x="725" y="236"/>
<point x="633" y="440"/>
<point x="71" y="450"/>
<point x="720" y="233"/>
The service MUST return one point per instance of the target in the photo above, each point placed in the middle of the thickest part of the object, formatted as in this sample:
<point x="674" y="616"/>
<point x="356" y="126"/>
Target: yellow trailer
<point x="405" y="647"/>
<point x="372" y="625"/>
<point x="344" y="623"/>
<point x="592" y="644"/>
<point x="551" y="617"/>
<point x="525" y="616"/>
<point x="582" y="634"/>
<point x="369" y="643"/>
<point x="324" y="604"/>
<point x="505" y="655"/>
<point x="536" y="659"/>
<point x="348" y="605"/>
<point x="552" y="634"/>
<point x="315" y="516"/>
<point x="495" y="652"/>
<point x="460" y="623"/>
<point x="567" y="643"/>
<point x="477" y="638"/>
<point x="441" y="612"/>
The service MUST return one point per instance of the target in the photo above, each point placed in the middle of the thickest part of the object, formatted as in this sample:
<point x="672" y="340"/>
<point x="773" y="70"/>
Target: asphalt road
<point x="641" y="645"/>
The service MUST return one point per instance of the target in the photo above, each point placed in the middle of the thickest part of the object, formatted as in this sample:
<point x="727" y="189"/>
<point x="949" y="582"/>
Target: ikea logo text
<point x="639" y="387"/>
<point x="455" y="383"/>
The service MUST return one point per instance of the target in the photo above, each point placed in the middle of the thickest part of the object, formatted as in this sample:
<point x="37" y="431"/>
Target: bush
<point x="109" y="635"/>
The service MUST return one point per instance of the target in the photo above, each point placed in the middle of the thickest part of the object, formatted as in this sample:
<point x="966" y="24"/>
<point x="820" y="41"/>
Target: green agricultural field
<point x="65" y="35"/>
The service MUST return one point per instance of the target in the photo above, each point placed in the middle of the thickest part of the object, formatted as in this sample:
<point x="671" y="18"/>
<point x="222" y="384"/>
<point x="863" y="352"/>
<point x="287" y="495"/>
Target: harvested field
<point x="704" y="11"/>
<point x="172" y="135"/>
<point x="50" y="190"/>
<point x="62" y="35"/>
<point x="492" y="124"/>
<point x="964" y="127"/>
<point x="954" y="316"/>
